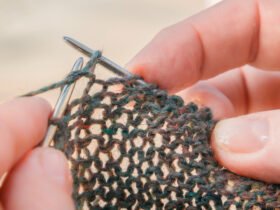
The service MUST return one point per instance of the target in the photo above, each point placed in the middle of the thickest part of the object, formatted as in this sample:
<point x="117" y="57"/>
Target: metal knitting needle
<point x="61" y="105"/>
<point x="107" y="63"/>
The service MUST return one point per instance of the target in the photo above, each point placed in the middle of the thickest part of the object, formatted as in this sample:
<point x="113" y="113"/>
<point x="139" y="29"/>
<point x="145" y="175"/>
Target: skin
<point x="226" y="57"/>
<point x="38" y="178"/>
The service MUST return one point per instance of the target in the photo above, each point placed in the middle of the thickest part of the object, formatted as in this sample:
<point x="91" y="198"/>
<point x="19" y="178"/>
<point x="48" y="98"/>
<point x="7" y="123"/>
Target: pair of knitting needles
<point x="67" y="90"/>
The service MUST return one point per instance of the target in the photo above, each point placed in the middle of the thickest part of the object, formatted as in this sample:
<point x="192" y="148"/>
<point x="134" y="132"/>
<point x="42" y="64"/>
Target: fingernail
<point x="55" y="167"/>
<point x="242" y="134"/>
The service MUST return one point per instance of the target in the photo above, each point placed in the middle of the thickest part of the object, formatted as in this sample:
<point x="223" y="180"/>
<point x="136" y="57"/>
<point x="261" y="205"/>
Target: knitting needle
<point x="61" y="105"/>
<point x="107" y="63"/>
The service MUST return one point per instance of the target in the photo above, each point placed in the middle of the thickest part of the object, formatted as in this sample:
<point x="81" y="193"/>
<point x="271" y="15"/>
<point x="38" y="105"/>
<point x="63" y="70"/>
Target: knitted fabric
<point x="139" y="148"/>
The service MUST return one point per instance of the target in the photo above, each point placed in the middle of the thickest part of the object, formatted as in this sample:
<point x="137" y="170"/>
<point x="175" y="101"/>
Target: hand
<point x="39" y="178"/>
<point x="210" y="51"/>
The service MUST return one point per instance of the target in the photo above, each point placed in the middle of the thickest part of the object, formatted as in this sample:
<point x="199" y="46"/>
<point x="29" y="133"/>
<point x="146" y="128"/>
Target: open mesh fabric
<point x="132" y="146"/>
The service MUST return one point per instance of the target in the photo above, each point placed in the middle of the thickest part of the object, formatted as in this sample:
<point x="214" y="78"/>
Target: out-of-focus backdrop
<point x="32" y="53"/>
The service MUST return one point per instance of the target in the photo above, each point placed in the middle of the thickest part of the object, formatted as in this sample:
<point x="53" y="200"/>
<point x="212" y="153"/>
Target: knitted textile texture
<point x="136" y="147"/>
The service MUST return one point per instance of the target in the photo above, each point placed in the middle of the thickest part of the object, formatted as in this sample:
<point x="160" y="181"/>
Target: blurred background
<point x="32" y="53"/>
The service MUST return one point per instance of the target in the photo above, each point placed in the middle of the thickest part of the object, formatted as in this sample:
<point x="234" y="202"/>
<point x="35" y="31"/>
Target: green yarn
<point x="143" y="149"/>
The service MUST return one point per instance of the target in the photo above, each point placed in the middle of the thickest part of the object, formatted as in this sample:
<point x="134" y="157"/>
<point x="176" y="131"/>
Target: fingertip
<point x="39" y="181"/>
<point x="148" y="72"/>
<point x="136" y="69"/>
<point x="42" y="105"/>
<point x="36" y="107"/>
<point x="23" y="124"/>
<point x="55" y="166"/>
<point x="205" y="95"/>
<point x="249" y="146"/>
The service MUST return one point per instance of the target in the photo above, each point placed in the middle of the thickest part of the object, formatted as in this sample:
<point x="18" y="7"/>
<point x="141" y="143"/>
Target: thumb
<point x="250" y="145"/>
<point x="40" y="181"/>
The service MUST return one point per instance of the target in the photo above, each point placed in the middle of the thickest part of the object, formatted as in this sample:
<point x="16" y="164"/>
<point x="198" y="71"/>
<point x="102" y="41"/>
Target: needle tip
<point x="79" y="46"/>
<point x="69" y="40"/>
<point x="66" y="38"/>
<point x="78" y="64"/>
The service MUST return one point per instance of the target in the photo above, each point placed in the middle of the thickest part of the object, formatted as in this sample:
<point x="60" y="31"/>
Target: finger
<point x="240" y="91"/>
<point x="249" y="145"/>
<point x="23" y="123"/>
<point x="204" y="94"/>
<point x="229" y="35"/>
<point x="40" y="181"/>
